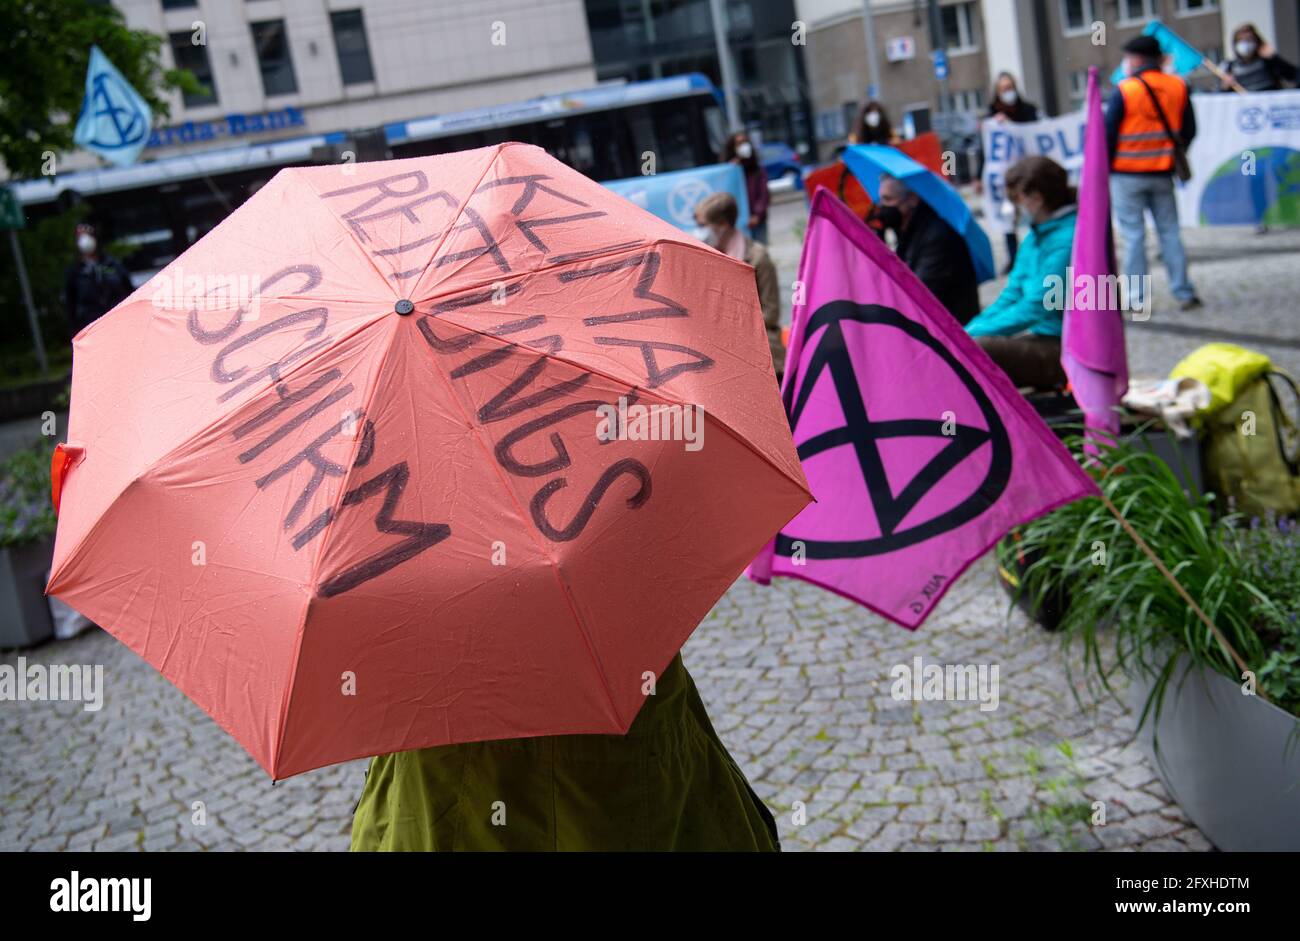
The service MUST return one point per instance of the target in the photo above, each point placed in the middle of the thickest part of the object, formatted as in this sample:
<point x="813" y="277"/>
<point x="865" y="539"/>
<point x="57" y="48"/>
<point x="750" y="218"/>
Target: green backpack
<point x="1252" y="444"/>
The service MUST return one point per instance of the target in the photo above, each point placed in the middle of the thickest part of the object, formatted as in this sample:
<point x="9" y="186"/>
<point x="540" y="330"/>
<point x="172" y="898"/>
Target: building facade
<point x="1047" y="44"/>
<point x="639" y="40"/>
<point x="280" y="68"/>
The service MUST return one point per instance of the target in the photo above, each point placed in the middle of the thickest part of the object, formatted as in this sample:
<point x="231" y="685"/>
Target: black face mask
<point x="889" y="217"/>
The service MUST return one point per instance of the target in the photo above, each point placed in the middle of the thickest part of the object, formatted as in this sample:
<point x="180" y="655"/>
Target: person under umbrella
<point x="933" y="249"/>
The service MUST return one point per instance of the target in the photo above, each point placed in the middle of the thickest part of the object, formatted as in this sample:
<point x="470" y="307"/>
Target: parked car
<point x="782" y="165"/>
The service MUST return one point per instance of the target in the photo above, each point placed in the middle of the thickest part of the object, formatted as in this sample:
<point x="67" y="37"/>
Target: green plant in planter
<point x="1081" y="549"/>
<point x="26" y="514"/>
<point x="1270" y="548"/>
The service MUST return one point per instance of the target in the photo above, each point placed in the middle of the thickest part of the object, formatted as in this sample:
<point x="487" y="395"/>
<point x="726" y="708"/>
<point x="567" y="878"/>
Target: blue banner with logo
<point x="1245" y="161"/>
<point x="673" y="196"/>
<point x="114" y="121"/>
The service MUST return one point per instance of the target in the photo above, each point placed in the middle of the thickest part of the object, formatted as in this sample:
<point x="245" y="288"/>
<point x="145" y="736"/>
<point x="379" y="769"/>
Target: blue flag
<point x="115" y="121"/>
<point x="1186" y="57"/>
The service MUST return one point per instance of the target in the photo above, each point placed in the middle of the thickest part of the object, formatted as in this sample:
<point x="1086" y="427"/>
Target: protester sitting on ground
<point x="717" y="214"/>
<point x="1021" y="330"/>
<point x="1257" y="66"/>
<point x="933" y="249"/>
<point x="873" y="126"/>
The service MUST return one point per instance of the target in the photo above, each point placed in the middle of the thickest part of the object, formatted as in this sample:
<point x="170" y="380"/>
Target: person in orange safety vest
<point x="1142" y="164"/>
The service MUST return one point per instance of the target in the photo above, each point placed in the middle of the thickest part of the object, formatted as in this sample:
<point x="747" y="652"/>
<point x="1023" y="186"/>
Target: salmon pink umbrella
<point x="419" y="452"/>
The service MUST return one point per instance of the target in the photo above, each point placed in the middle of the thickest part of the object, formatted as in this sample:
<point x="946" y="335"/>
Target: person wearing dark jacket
<point x="934" y="250"/>
<point x="1145" y="108"/>
<point x="740" y="150"/>
<point x="1257" y="66"/>
<point x="94" y="284"/>
<point x="1008" y="106"/>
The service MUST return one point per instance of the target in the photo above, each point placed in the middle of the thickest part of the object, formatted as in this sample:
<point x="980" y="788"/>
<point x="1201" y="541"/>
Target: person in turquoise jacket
<point x="1021" y="330"/>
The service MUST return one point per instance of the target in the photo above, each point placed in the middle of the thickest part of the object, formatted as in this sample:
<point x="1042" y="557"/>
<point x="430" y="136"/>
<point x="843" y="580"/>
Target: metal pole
<point x="873" y="58"/>
<point x="27" y="299"/>
<point x="938" y="43"/>
<point x="725" y="64"/>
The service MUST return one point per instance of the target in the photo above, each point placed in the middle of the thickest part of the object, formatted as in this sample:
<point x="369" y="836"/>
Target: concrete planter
<point x="1230" y="761"/>
<point x="24" y="612"/>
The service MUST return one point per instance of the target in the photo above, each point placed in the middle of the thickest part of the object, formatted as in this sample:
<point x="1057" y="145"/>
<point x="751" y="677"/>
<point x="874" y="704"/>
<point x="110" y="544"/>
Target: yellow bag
<point x="1225" y="368"/>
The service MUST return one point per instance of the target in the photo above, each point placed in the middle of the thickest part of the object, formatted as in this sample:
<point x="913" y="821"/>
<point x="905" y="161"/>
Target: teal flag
<point x="1186" y="57"/>
<point x="115" y="121"/>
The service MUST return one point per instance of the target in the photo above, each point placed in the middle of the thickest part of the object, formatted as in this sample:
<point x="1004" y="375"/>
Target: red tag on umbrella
<point x="65" y="455"/>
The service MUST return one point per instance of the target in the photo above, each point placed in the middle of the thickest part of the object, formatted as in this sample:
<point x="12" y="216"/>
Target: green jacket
<point x="669" y="784"/>
<point x="1044" y="253"/>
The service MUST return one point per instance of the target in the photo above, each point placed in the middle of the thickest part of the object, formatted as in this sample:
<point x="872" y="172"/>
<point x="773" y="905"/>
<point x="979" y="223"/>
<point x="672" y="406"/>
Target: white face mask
<point x="85" y="243"/>
<point x="1007" y="210"/>
<point x="744" y="150"/>
<point x="1008" y="97"/>
<point x="1245" y="48"/>
<point x="873" y="119"/>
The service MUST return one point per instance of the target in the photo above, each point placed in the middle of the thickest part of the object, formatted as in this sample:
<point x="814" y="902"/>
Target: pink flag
<point x="919" y="451"/>
<point x="1092" y="344"/>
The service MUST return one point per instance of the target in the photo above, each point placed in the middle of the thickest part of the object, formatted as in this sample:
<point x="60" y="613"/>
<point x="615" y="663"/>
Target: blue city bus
<point x="161" y="207"/>
<point x="603" y="132"/>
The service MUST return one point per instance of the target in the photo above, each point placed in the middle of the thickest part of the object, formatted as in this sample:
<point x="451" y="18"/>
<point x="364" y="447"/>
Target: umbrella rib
<point x="523" y="517"/>
<point x="460" y="212"/>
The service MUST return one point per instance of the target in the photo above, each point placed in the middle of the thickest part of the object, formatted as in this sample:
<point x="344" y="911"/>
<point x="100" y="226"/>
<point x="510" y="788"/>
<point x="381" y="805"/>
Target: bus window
<point x="677" y="138"/>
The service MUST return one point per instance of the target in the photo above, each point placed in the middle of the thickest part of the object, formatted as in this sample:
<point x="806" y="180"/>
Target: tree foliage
<point x="45" y="51"/>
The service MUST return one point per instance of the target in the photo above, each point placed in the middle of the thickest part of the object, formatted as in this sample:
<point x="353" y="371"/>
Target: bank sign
<point x="231" y="125"/>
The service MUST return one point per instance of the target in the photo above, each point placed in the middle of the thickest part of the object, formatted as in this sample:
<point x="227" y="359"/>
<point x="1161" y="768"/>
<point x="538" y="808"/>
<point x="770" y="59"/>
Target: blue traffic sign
<point x="940" y="64"/>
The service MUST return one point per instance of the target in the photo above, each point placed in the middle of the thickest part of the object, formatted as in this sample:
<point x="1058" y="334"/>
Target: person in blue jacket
<point x="1021" y="330"/>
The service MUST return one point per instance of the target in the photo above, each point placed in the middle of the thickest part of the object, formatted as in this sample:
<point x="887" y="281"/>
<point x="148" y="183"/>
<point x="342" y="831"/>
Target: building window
<point x="195" y="59"/>
<point x="970" y="100"/>
<point x="272" y="45"/>
<point x="1135" y="11"/>
<point x="1192" y="7"/>
<point x="1078" y="86"/>
<point x="959" y="28"/>
<point x="179" y="4"/>
<point x="1077" y="16"/>
<point x="351" y="46"/>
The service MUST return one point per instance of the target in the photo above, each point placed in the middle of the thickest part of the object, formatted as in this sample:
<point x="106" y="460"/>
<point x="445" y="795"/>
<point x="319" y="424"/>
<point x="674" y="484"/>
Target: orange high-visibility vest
<point x="1143" y="146"/>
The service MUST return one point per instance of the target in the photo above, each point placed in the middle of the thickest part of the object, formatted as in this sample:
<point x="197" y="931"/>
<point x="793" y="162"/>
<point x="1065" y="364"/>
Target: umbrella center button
<point x="403" y="307"/>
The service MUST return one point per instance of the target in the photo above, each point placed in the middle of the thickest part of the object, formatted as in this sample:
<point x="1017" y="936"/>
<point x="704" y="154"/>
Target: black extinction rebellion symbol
<point x="863" y="435"/>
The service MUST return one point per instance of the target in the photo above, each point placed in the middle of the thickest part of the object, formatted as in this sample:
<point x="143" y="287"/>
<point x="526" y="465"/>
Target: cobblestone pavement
<point x="796" y="679"/>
